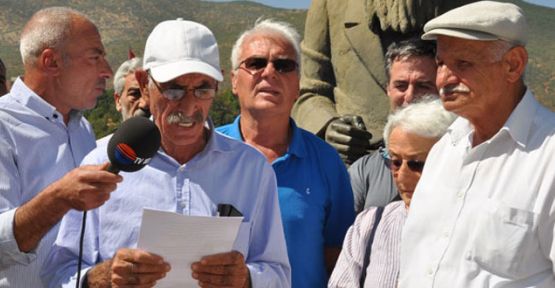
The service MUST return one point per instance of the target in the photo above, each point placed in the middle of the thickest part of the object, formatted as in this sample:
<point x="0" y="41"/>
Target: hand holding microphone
<point x="130" y="149"/>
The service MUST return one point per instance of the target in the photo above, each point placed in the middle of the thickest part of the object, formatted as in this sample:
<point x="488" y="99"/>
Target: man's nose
<point x="105" y="69"/>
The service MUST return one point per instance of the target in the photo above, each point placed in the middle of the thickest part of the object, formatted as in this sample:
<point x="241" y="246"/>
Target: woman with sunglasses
<point x="370" y="254"/>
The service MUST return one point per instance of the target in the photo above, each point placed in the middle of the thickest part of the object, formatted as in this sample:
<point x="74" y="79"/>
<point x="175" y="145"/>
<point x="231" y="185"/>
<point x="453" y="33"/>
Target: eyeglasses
<point x="254" y="65"/>
<point x="174" y="94"/>
<point x="395" y="164"/>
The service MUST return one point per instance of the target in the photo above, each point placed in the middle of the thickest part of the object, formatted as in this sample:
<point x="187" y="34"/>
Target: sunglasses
<point x="174" y="94"/>
<point x="254" y="65"/>
<point x="395" y="164"/>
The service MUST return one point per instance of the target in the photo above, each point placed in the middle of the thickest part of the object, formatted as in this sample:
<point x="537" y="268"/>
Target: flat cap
<point x="483" y="20"/>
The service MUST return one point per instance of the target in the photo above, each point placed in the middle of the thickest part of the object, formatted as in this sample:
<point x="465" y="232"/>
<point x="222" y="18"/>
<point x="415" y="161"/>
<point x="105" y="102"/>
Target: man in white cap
<point x="483" y="213"/>
<point x="195" y="170"/>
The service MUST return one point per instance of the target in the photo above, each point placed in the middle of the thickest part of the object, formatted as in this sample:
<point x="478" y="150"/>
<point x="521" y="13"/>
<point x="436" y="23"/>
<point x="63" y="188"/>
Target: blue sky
<point x="303" y="4"/>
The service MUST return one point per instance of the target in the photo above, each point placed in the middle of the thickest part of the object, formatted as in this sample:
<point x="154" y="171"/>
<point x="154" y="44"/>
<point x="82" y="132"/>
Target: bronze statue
<point x="343" y="80"/>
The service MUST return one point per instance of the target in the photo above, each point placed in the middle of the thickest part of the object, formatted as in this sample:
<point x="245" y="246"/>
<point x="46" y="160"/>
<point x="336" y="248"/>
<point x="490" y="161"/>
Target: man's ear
<point x="116" y="101"/>
<point x="142" y="77"/>
<point x="233" y="76"/>
<point x="50" y="61"/>
<point x="516" y="59"/>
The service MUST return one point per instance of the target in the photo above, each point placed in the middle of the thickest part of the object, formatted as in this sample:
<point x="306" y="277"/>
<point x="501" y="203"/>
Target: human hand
<point x="348" y="135"/>
<point x="222" y="270"/>
<point x="86" y="187"/>
<point x="137" y="268"/>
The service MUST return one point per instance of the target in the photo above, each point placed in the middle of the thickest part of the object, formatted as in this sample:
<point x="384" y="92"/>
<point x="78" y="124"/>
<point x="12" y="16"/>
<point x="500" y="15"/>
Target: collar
<point x="28" y="98"/>
<point x="518" y="125"/>
<point x="296" y="145"/>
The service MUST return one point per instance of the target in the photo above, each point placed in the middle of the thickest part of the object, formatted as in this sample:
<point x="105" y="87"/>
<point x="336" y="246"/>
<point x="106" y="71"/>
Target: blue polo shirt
<point x="315" y="199"/>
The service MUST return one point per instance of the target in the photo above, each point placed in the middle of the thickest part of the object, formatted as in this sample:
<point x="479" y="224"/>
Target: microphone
<point x="133" y="145"/>
<point x="130" y="149"/>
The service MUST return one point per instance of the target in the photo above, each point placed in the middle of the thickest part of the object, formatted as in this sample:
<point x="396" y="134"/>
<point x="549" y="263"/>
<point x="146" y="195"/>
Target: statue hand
<point x="348" y="135"/>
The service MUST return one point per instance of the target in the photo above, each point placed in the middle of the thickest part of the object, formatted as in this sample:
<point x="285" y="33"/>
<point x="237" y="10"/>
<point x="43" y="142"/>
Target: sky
<point x="304" y="4"/>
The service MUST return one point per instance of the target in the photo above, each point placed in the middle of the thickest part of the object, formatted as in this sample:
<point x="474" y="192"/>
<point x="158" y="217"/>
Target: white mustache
<point x="459" y="88"/>
<point x="179" y="118"/>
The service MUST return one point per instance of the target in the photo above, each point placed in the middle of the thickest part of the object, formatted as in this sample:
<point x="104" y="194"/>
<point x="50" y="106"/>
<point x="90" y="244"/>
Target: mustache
<point x="459" y="88"/>
<point x="180" y="118"/>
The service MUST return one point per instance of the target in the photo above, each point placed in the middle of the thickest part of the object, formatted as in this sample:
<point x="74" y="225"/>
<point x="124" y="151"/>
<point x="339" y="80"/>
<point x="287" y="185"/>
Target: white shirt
<point x="36" y="149"/>
<point x="484" y="216"/>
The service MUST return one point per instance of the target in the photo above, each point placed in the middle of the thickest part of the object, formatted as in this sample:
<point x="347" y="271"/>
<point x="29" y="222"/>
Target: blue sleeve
<point x="10" y="200"/>
<point x="267" y="260"/>
<point x="340" y="211"/>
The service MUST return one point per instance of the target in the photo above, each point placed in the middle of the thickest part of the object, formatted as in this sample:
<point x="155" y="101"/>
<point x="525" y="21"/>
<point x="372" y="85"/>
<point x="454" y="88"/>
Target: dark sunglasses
<point x="176" y="94"/>
<point x="256" y="64"/>
<point x="395" y="164"/>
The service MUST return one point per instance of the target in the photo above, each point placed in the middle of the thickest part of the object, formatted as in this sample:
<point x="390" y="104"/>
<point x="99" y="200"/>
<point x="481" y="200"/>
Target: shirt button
<point x="460" y="194"/>
<point x="181" y="169"/>
<point x="445" y="234"/>
<point x="430" y="272"/>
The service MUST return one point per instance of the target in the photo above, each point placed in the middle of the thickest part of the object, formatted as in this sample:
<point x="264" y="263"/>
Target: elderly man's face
<point x="410" y="79"/>
<point x="128" y="102"/>
<point x="470" y="77"/>
<point x="405" y="147"/>
<point x="181" y="122"/>
<point x="267" y="91"/>
<point x="82" y="77"/>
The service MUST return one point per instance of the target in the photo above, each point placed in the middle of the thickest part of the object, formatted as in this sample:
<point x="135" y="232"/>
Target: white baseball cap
<point x="483" y="20"/>
<point x="179" y="47"/>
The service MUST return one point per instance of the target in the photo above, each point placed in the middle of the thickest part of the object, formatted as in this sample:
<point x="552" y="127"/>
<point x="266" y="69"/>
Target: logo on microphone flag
<point x="125" y="154"/>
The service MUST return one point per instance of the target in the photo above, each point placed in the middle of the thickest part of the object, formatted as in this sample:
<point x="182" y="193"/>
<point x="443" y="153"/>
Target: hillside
<point x="126" y="24"/>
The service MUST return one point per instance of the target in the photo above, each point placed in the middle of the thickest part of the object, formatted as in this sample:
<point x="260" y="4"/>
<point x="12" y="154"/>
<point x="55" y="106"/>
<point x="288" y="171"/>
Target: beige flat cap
<point x="483" y="20"/>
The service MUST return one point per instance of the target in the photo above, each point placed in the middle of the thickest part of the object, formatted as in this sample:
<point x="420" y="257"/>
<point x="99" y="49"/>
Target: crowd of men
<point x="482" y="207"/>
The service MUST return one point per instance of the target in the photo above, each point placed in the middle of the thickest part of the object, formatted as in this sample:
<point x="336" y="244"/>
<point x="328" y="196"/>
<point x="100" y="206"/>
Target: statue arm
<point x="315" y="107"/>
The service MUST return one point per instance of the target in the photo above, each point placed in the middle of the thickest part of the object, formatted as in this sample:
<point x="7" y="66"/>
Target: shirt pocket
<point x="505" y="242"/>
<point x="242" y="242"/>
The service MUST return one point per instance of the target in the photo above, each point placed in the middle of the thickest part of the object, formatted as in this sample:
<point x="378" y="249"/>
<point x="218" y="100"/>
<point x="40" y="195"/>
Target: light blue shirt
<point x="225" y="172"/>
<point x="316" y="202"/>
<point x="36" y="149"/>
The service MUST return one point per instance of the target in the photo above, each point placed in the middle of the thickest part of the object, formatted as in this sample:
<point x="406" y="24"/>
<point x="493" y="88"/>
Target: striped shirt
<point x="383" y="269"/>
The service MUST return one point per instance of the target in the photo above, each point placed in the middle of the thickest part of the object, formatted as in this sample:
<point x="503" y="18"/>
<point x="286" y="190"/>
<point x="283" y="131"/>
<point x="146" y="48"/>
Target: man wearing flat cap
<point x="483" y="213"/>
<point x="194" y="171"/>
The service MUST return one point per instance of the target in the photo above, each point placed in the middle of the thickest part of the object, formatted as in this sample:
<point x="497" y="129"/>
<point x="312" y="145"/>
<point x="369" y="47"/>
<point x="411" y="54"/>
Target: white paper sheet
<point x="182" y="240"/>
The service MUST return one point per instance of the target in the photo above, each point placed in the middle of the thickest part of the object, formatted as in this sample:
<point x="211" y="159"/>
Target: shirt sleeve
<point x="348" y="268"/>
<point x="10" y="200"/>
<point x="315" y="107"/>
<point x="267" y="260"/>
<point x="340" y="210"/>
<point x="358" y="175"/>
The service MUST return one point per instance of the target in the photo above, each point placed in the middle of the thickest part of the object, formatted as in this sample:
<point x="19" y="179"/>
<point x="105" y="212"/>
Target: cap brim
<point x="458" y="33"/>
<point x="167" y="72"/>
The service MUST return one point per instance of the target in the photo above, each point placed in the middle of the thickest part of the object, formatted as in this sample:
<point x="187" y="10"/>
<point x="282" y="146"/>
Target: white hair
<point x="425" y="118"/>
<point x="47" y="28"/>
<point x="268" y="26"/>
<point x="127" y="67"/>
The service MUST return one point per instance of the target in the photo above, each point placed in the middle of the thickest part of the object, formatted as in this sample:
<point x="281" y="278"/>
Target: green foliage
<point x="104" y="117"/>
<point x="224" y="108"/>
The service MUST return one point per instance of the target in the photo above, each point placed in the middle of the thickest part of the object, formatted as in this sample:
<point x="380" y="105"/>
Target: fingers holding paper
<point x="137" y="268"/>
<point x="222" y="270"/>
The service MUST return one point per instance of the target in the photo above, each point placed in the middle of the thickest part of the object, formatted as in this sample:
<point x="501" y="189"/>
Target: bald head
<point x="48" y="28"/>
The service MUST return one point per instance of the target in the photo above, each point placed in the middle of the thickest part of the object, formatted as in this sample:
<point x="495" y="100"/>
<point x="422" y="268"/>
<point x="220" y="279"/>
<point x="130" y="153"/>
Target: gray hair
<point x="127" y="67"/>
<point x="268" y="26"/>
<point x="498" y="48"/>
<point x="413" y="47"/>
<point x="47" y="28"/>
<point x="425" y="118"/>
